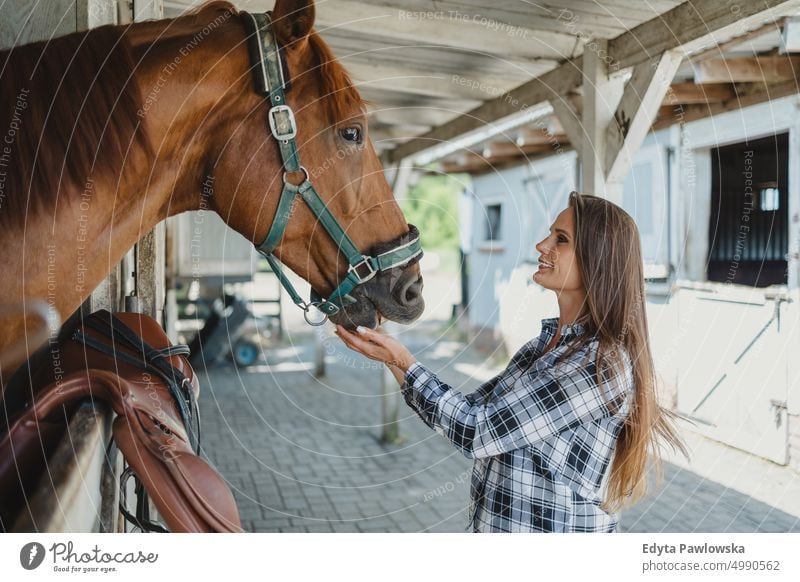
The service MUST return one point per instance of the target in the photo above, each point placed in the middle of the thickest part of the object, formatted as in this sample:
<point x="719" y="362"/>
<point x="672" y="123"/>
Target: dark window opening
<point x="749" y="225"/>
<point x="493" y="216"/>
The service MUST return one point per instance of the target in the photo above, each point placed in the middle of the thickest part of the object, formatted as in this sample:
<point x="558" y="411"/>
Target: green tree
<point x="431" y="204"/>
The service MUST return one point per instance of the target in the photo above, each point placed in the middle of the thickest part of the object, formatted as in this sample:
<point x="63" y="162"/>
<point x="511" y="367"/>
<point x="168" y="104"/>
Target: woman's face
<point x="558" y="250"/>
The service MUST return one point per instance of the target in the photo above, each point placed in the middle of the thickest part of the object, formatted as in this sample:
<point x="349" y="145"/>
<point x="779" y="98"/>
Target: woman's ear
<point x="293" y="20"/>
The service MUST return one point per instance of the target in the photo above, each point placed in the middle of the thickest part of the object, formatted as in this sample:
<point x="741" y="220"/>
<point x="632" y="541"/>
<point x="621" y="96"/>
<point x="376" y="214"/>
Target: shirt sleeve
<point x="479" y="396"/>
<point x="536" y="407"/>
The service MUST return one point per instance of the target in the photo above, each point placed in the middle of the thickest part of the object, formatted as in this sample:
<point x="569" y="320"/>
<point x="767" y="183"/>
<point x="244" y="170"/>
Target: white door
<point x="732" y="370"/>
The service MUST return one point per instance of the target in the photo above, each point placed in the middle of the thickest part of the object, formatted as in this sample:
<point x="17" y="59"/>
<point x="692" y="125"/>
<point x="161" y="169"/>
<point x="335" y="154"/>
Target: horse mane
<point x="338" y="91"/>
<point x="64" y="103"/>
<point x="70" y="101"/>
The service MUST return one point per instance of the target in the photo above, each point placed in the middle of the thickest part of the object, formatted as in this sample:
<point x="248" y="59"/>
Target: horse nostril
<point x="412" y="292"/>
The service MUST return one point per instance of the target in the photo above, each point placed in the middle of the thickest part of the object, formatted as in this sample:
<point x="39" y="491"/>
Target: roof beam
<point x="415" y="81"/>
<point x="569" y="116"/>
<point x="694" y="26"/>
<point x="689" y="26"/>
<point x="790" y="36"/>
<point x="411" y="115"/>
<point x="515" y="101"/>
<point x="763" y="69"/>
<point x="636" y="112"/>
<point x="506" y="16"/>
<point x="689" y="93"/>
<point x="746" y="96"/>
<point x="441" y="28"/>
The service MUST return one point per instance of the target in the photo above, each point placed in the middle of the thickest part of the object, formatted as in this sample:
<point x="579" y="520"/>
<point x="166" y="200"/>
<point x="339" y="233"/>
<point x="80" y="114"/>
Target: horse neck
<point x="191" y="74"/>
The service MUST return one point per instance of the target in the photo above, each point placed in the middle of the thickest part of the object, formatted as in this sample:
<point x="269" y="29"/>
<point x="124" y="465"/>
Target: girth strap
<point x="152" y="360"/>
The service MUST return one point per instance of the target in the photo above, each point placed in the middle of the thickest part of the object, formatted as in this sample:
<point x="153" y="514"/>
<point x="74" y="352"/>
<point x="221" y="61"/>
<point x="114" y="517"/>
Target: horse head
<point x="334" y="149"/>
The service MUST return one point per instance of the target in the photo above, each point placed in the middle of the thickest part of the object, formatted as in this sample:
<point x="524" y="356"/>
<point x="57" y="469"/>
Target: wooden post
<point x="391" y="400"/>
<point x="610" y="123"/>
<point x="601" y="94"/>
<point x="319" y="350"/>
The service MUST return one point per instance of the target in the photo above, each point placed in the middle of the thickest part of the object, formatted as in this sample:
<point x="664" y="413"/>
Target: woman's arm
<point x="532" y="408"/>
<point x="398" y="373"/>
<point x="536" y="407"/>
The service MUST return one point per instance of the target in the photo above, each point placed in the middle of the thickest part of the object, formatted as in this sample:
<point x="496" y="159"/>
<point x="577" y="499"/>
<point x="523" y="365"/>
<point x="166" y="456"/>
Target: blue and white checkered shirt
<point x="542" y="436"/>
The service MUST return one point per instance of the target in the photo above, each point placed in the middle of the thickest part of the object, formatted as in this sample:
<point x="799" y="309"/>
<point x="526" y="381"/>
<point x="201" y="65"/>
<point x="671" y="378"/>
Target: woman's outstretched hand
<point x="377" y="346"/>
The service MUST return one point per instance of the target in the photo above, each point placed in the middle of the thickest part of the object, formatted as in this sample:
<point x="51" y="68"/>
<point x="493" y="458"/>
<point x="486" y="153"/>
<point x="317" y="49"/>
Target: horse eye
<point x="351" y="134"/>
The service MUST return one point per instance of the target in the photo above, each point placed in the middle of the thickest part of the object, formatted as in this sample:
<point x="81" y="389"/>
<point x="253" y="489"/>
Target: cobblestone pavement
<point x="304" y="455"/>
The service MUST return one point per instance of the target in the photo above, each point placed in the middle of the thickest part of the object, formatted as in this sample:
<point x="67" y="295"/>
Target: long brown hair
<point x="609" y="255"/>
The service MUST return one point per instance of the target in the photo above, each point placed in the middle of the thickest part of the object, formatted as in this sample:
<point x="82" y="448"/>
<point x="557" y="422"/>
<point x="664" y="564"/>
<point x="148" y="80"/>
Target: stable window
<point x="494" y="214"/>
<point x="490" y="225"/>
<point x="749" y="224"/>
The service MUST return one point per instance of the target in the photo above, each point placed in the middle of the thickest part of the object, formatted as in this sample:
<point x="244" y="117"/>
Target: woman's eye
<point x="351" y="134"/>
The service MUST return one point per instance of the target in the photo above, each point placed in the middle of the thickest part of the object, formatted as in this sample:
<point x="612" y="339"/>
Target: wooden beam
<point x="476" y="88"/>
<point x="476" y="163"/>
<point x="532" y="136"/>
<point x="745" y="98"/>
<point x="411" y="116"/>
<point x="385" y="98"/>
<point x="764" y="69"/>
<point x="569" y="118"/>
<point x="690" y="93"/>
<point x="719" y="49"/>
<point x="507" y="149"/>
<point x="790" y="36"/>
<point x="694" y="26"/>
<point x="542" y="88"/>
<point x="636" y="112"/>
<point x="443" y="29"/>
<point x="586" y="16"/>
<point x="690" y="26"/>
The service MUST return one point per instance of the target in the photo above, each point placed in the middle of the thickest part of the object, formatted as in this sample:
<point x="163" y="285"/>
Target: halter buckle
<point x="370" y="274"/>
<point x="282" y="129"/>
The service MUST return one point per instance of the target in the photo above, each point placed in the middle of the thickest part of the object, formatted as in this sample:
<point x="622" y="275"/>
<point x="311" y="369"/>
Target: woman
<point x="543" y="431"/>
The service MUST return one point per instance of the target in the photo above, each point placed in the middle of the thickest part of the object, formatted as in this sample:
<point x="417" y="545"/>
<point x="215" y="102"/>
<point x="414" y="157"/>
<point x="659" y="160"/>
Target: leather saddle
<point x="126" y="360"/>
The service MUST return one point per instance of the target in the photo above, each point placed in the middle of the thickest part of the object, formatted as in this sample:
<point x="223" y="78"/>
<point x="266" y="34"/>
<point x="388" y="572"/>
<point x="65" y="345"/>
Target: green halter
<point x="270" y="81"/>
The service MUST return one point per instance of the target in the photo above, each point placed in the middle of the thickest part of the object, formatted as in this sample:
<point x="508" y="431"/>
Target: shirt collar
<point x="549" y="324"/>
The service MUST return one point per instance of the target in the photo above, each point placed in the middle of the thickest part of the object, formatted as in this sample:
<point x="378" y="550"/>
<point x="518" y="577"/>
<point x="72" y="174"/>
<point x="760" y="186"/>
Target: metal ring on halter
<point x="308" y="321"/>
<point x="302" y="169"/>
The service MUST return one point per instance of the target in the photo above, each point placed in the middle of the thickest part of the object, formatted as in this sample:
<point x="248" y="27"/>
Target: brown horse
<point x="108" y="132"/>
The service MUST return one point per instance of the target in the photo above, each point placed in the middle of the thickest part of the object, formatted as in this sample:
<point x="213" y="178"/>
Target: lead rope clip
<point x="307" y="308"/>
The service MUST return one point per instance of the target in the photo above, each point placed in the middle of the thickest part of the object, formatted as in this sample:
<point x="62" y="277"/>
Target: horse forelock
<point x="337" y="91"/>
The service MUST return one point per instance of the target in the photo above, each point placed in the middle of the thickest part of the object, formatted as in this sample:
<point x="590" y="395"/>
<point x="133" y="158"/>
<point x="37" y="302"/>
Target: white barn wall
<point x="490" y="264"/>
<point x="671" y="203"/>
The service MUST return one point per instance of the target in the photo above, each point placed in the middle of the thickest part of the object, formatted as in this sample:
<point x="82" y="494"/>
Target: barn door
<point x="732" y="377"/>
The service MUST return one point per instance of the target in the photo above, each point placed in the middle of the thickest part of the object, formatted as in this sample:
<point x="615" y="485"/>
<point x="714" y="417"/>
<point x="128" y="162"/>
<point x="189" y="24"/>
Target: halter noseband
<point x="269" y="79"/>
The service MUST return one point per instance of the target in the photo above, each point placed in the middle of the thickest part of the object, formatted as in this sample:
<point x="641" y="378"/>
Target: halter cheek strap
<point x="270" y="81"/>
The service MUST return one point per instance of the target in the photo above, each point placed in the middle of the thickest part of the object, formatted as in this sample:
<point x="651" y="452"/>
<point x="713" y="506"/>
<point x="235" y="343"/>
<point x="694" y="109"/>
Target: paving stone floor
<point x="304" y="455"/>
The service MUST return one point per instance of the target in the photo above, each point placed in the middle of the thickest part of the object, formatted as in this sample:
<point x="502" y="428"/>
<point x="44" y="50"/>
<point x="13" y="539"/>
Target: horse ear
<point x="293" y="19"/>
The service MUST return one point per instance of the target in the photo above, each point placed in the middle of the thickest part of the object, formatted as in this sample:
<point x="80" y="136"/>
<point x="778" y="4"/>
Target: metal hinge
<point x="778" y="405"/>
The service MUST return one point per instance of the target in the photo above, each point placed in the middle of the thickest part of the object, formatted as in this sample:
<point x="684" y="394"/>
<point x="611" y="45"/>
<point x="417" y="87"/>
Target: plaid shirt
<point x="541" y="436"/>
